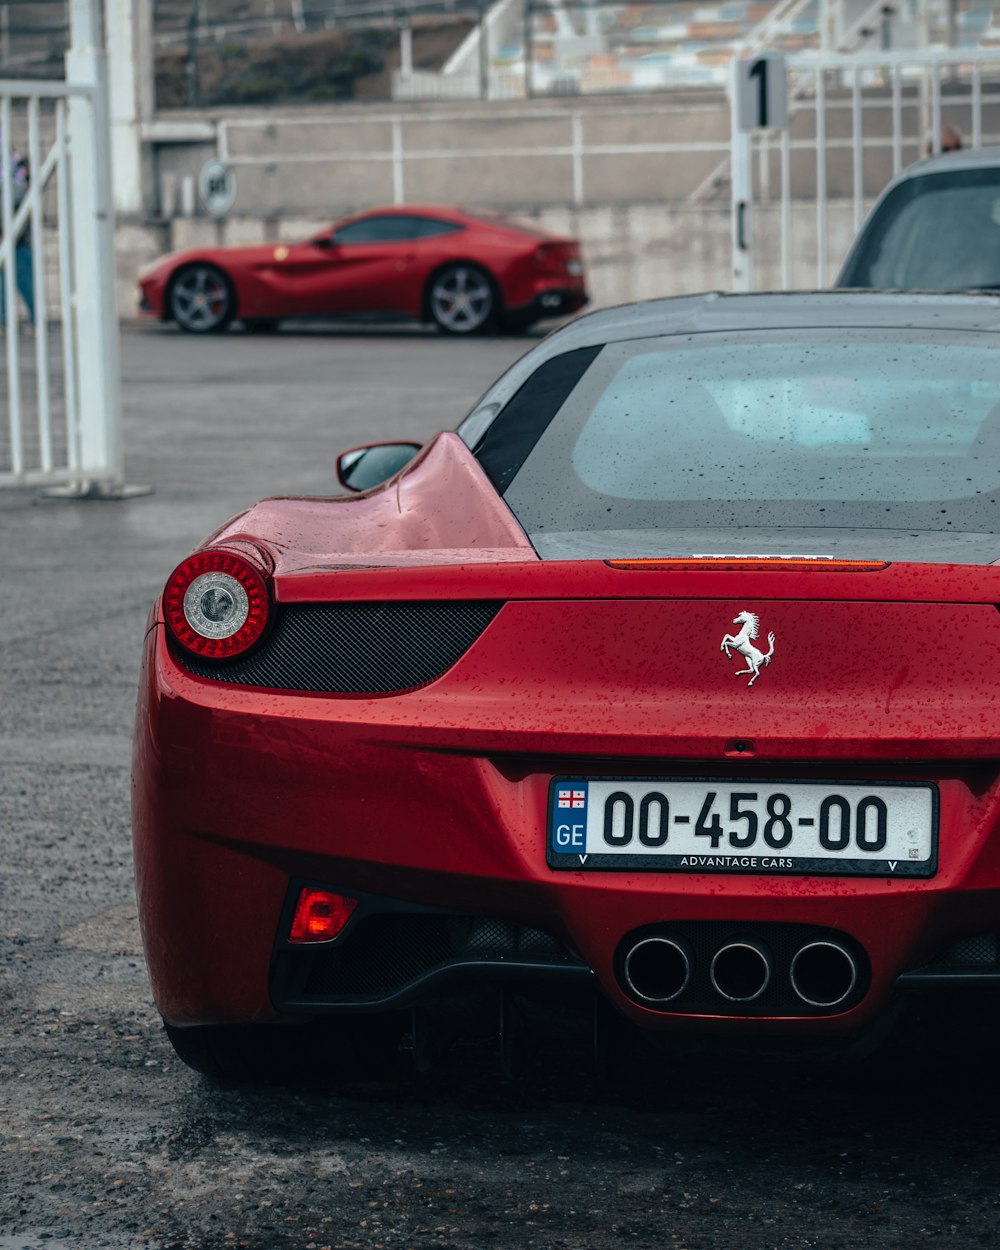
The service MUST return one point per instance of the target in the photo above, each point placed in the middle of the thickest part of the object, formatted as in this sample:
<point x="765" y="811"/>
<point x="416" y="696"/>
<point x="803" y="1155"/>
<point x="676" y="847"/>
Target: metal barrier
<point x="800" y="194"/>
<point x="61" y="424"/>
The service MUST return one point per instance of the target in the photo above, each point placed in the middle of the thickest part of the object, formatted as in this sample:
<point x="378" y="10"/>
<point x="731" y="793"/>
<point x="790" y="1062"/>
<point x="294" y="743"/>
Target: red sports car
<point x="462" y="271"/>
<point x="668" y="684"/>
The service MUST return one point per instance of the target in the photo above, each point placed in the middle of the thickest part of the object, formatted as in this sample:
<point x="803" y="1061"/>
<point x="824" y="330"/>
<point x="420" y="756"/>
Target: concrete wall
<point x="326" y="162"/>
<point x="586" y="152"/>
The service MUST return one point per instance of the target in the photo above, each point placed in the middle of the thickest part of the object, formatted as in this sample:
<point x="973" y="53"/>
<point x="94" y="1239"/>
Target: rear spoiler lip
<point x="597" y="579"/>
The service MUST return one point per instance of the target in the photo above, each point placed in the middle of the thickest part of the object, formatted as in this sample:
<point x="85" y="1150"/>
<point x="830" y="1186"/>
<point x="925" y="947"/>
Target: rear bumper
<point x="555" y="301"/>
<point x="241" y="794"/>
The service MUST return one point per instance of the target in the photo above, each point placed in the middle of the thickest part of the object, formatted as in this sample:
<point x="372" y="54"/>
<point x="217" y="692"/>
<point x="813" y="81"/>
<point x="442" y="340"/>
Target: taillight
<point x="320" y="915"/>
<point x="216" y="603"/>
<point x="560" y="258"/>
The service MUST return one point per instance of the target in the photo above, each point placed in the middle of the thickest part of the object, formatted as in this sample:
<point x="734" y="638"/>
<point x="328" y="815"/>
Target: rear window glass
<point x="933" y="233"/>
<point x="867" y="429"/>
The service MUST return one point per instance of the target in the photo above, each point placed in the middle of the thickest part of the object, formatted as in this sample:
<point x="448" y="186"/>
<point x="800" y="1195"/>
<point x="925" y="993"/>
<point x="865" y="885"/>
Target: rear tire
<point x="462" y="298"/>
<point x="322" y="1051"/>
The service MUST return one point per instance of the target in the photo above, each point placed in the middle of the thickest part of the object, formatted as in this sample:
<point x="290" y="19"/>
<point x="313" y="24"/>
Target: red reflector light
<point x="320" y="915"/>
<point x="216" y="603"/>
<point x="756" y="564"/>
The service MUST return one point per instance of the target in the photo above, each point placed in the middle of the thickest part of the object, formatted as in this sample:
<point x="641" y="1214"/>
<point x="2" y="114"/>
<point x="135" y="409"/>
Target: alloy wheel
<point x="201" y="300"/>
<point x="461" y="299"/>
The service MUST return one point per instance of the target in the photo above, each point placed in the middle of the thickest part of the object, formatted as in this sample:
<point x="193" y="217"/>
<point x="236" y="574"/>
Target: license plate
<point x="658" y="824"/>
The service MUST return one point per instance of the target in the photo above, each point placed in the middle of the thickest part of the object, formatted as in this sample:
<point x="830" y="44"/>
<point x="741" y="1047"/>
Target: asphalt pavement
<point x="106" y="1140"/>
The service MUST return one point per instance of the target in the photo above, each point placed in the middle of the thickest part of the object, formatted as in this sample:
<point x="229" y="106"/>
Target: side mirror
<point x="361" y="468"/>
<point x="324" y="242"/>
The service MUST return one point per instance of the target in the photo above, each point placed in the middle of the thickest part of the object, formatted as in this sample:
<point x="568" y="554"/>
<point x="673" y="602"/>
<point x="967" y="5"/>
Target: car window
<point x="936" y="232"/>
<point x="866" y="429"/>
<point x="509" y="440"/>
<point x="429" y="227"/>
<point x="392" y="228"/>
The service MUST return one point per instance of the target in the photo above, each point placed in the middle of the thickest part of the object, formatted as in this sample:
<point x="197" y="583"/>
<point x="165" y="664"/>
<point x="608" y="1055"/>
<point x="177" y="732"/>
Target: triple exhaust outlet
<point x="822" y="973"/>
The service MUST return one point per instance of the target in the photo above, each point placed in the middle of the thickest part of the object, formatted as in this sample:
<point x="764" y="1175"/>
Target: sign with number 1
<point x="761" y="92"/>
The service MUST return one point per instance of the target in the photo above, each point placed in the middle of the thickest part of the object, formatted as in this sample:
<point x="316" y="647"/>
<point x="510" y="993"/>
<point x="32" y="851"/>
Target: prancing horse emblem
<point x="742" y="644"/>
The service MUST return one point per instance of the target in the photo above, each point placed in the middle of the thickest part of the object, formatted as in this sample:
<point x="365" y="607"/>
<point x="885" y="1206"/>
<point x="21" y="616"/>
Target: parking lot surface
<point x="106" y="1140"/>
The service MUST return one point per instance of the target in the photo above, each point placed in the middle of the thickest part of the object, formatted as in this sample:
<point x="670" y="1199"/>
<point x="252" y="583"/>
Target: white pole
<point x="821" y="240"/>
<point x="70" y="345"/>
<point x="578" y="152"/>
<point x="786" y="209"/>
<point x="398" y="162"/>
<point x="41" y="311"/>
<point x="130" y="74"/>
<point x="8" y="269"/>
<point x="405" y="47"/>
<point x="741" y="181"/>
<point x="95" y="314"/>
<point x="857" y="151"/>
<point x="825" y="25"/>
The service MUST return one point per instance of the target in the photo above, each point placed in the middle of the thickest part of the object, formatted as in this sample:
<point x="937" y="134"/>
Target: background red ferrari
<point x="462" y="271"/>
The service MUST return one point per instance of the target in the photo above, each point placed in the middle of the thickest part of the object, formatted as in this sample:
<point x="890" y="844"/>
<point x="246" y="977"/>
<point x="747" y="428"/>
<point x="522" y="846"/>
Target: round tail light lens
<point x="216" y="604"/>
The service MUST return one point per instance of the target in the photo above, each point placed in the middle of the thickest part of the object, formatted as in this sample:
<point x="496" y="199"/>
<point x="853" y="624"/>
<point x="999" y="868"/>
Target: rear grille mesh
<point x="975" y="952"/>
<point x="355" y="648"/>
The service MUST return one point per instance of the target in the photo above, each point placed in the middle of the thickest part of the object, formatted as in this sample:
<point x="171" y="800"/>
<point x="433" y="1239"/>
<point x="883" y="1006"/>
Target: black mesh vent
<point x="388" y="952"/>
<point x="355" y="648"/>
<point x="974" y="952"/>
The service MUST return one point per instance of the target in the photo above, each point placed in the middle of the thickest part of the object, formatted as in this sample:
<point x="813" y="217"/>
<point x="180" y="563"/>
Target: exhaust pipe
<point x="657" y="969"/>
<point x="824" y="973"/>
<point x="740" y="971"/>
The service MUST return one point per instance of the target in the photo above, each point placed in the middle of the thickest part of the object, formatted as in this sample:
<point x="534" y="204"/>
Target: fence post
<point x="94" y="308"/>
<point x="741" y="184"/>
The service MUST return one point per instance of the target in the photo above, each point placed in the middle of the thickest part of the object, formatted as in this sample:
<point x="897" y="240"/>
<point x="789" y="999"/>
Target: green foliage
<point x="255" y="87"/>
<point x="323" y="94"/>
<point x="328" y="73"/>
<point x="315" y="66"/>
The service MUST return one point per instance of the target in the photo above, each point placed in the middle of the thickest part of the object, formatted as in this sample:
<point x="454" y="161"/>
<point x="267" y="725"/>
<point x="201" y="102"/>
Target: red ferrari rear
<point x="747" y="783"/>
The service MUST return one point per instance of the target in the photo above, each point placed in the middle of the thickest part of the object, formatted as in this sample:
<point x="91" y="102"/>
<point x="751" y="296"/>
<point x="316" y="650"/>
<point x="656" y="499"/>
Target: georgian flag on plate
<point x="571" y="798"/>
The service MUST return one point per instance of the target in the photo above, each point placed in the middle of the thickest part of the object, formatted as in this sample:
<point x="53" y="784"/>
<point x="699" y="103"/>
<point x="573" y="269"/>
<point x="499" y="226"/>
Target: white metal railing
<point x="800" y="195"/>
<point x="36" y="459"/>
<point x="774" y="25"/>
<point x="431" y="86"/>
<point x="61" y="423"/>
